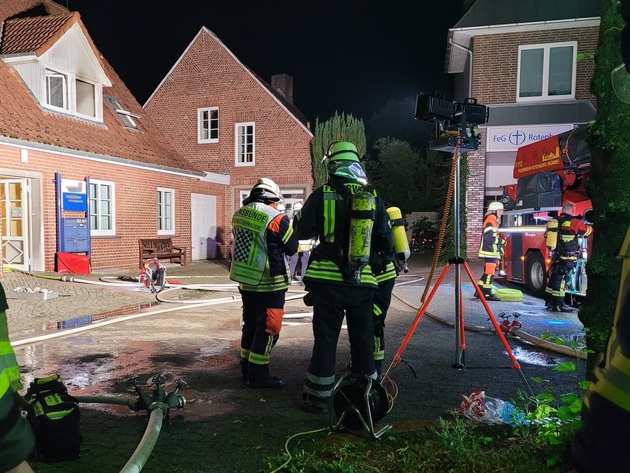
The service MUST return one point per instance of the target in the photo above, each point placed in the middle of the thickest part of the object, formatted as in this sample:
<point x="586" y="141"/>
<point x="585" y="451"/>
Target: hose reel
<point x="358" y="402"/>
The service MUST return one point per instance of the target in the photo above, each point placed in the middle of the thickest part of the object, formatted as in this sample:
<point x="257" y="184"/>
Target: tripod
<point x="457" y="261"/>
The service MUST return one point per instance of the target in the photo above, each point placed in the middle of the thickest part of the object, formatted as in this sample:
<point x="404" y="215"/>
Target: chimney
<point x="283" y="84"/>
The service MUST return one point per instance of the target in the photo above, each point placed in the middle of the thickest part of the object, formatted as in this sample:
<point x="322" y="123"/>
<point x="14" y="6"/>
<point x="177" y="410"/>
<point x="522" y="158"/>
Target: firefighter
<point x="262" y="238"/>
<point x="386" y="273"/>
<point x="567" y="251"/>
<point x="16" y="438"/>
<point x="601" y="445"/>
<point x="551" y="242"/>
<point x="338" y="282"/>
<point x="491" y="248"/>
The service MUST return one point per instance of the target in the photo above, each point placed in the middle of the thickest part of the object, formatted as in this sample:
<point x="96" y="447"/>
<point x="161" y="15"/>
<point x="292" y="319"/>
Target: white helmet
<point x="266" y="189"/>
<point x="494" y="206"/>
<point x="297" y="207"/>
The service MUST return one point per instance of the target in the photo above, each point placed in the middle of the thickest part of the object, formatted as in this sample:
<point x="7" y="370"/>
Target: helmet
<point x="266" y="190"/>
<point x="342" y="151"/>
<point x="297" y="207"/>
<point x="342" y="160"/>
<point x="494" y="206"/>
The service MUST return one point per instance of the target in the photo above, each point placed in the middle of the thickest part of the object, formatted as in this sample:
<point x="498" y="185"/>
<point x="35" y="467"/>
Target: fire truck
<point x="532" y="202"/>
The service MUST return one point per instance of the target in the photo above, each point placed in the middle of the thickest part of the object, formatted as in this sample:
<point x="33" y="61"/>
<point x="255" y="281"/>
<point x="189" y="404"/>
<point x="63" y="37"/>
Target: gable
<point x="72" y="52"/>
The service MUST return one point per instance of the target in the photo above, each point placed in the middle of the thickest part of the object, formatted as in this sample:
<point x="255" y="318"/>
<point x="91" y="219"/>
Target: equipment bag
<point x="55" y="418"/>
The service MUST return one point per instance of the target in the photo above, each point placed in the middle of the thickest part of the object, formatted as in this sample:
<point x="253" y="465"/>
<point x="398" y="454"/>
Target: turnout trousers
<point x="331" y="304"/>
<point x="382" y="301"/>
<point x="262" y="321"/>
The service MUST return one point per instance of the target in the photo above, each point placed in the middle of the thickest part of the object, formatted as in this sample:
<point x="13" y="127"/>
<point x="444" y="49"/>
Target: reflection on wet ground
<point x="533" y="357"/>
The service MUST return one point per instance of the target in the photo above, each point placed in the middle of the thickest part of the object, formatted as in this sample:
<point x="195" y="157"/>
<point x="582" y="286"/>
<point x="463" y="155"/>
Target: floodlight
<point x="431" y="106"/>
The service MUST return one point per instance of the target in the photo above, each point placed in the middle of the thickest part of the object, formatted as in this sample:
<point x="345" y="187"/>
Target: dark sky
<point x="344" y="55"/>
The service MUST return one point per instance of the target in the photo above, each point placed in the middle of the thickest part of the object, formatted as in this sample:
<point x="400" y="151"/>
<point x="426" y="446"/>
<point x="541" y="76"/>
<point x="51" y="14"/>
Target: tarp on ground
<point x="568" y="150"/>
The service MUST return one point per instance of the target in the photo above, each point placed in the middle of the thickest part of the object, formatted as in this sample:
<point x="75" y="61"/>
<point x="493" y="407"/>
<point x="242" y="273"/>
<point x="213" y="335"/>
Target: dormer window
<point x="69" y="94"/>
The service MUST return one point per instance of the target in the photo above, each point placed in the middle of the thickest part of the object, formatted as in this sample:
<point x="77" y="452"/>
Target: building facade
<point x="83" y="169"/>
<point x="530" y="62"/>
<point x="225" y="119"/>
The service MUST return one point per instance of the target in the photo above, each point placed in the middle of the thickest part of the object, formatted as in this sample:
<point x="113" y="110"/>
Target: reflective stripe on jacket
<point x="569" y="228"/>
<point x="250" y="250"/>
<point x="489" y="247"/>
<point x="324" y="217"/>
<point x="613" y="379"/>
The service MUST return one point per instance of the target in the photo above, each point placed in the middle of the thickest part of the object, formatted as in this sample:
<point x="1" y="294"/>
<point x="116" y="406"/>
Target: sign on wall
<point x="510" y="138"/>
<point x="74" y="195"/>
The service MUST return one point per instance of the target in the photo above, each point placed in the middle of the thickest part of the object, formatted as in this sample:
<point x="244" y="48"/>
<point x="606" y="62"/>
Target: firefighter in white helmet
<point x="262" y="238"/>
<point x="491" y="248"/>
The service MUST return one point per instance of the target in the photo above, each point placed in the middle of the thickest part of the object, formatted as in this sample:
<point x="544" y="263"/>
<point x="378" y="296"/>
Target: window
<point x="102" y="216"/>
<point x="547" y="71"/>
<point x="208" y="125"/>
<point x="245" y="144"/>
<point x="56" y="90"/>
<point x="125" y="117"/>
<point x="70" y="94"/>
<point x="166" y="211"/>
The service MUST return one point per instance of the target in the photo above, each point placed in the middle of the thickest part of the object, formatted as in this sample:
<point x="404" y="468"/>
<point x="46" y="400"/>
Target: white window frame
<point x="545" y="72"/>
<point x="241" y="134"/>
<point x="165" y="211"/>
<point x="48" y="75"/>
<point x="202" y="130"/>
<point x="97" y="216"/>
<point x="242" y="196"/>
<point x="70" y="94"/>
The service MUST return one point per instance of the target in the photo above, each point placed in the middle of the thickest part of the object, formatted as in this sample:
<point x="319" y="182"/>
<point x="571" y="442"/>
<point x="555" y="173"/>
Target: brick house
<point x="225" y="119"/>
<point x="83" y="168"/>
<point x="521" y="60"/>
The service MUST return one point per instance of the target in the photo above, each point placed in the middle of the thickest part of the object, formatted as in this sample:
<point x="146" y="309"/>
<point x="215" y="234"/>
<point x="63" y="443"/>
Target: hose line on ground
<point x="147" y="442"/>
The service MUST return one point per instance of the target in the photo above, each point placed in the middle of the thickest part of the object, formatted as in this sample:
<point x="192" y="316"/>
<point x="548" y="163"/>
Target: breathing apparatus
<point x="551" y="234"/>
<point x="362" y="210"/>
<point x="153" y="275"/>
<point x="401" y="244"/>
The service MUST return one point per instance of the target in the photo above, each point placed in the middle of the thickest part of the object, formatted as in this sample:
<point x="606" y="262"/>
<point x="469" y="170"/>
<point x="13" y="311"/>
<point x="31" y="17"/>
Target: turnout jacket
<point x="569" y="229"/>
<point x="491" y="244"/>
<point x="262" y="238"/>
<point x="324" y="218"/>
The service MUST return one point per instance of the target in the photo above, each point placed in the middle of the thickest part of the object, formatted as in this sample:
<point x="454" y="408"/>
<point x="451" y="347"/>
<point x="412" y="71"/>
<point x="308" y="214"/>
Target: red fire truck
<point x="529" y="205"/>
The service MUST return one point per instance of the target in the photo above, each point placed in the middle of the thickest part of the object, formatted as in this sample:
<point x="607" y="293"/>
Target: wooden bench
<point x="161" y="248"/>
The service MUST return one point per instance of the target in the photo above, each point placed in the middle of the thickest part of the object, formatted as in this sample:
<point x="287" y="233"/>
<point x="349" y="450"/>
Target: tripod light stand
<point x="453" y="140"/>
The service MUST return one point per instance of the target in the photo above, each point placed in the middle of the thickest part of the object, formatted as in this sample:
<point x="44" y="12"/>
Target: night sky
<point x="344" y="55"/>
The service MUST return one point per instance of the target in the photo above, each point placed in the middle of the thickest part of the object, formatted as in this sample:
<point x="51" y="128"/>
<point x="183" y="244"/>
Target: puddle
<point x="524" y="355"/>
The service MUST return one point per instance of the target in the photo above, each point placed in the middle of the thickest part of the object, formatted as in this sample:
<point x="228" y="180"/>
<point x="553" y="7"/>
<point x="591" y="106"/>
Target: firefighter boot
<point x="490" y="296"/>
<point x="559" y="305"/>
<point x="259" y="377"/>
<point x="244" y="368"/>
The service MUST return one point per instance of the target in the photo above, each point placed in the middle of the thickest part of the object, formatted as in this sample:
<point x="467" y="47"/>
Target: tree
<point x="338" y="128"/>
<point x="608" y="186"/>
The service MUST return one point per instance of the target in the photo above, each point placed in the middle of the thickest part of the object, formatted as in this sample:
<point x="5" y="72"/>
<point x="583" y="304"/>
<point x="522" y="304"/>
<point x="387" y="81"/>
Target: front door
<point x="14" y="216"/>
<point x="203" y="226"/>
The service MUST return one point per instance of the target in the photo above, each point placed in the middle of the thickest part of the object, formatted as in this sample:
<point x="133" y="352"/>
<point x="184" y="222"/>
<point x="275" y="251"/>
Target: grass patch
<point x="456" y="446"/>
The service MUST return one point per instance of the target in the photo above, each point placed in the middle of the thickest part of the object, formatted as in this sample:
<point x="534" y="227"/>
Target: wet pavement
<point x="102" y="329"/>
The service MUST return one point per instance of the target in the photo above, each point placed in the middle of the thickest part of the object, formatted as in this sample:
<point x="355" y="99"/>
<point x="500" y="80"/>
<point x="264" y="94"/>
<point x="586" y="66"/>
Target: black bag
<point x="55" y="418"/>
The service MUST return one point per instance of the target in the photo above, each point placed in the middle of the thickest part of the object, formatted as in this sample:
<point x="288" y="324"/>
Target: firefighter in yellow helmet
<point x="491" y="248"/>
<point x="16" y="438"/>
<point x="349" y="220"/>
<point x="601" y="445"/>
<point x="263" y="237"/>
